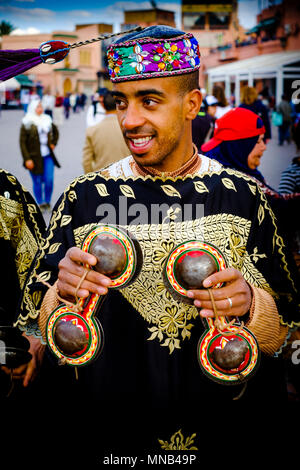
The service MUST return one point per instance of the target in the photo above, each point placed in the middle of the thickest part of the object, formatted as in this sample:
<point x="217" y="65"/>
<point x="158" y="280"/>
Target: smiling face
<point x="155" y="118"/>
<point x="256" y="154"/>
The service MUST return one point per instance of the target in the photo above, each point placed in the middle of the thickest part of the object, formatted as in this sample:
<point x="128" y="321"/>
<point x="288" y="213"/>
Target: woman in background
<point x="38" y="138"/>
<point x="249" y="100"/>
<point x="238" y="143"/>
<point x="223" y="105"/>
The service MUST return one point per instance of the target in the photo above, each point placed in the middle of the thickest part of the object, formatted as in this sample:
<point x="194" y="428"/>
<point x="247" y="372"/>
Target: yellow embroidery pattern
<point x="178" y="442"/>
<point x="127" y="190"/>
<point x="14" y="228"/>
<point x="215" y="229"/>
<point x="170" y="322"/>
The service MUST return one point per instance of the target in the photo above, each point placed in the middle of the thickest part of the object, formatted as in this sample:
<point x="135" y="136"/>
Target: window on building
<point x="219" y="20"/>
<point x="193" y="20"/>
<point x="67" y="62"/>
<point x="85" y="57"/>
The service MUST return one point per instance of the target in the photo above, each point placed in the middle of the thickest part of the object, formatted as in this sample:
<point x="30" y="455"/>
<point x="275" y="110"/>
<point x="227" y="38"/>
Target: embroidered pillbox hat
<point x="156" y="51"/>
<point x="238" y="123"/>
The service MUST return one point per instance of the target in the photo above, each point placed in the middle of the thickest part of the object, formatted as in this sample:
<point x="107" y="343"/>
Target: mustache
<point x="138" y="131"/>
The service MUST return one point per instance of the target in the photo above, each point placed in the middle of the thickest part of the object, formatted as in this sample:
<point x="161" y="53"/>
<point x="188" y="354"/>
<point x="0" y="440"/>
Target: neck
<point x="189" y="166"/>
<point x="176" y="162"/>
<point x="182" y="154"/>
<point x="111" y="112"/>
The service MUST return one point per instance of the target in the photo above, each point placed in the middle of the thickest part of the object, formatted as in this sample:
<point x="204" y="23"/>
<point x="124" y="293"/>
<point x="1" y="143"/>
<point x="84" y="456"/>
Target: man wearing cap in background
<point x="146" y="393"/>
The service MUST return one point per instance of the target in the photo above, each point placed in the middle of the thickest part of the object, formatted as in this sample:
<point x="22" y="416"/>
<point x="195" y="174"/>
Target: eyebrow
<point x="140" y="93"/>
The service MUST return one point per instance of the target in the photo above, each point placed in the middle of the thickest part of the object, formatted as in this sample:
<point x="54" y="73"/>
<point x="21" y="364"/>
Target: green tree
<point x="6" y="28"/>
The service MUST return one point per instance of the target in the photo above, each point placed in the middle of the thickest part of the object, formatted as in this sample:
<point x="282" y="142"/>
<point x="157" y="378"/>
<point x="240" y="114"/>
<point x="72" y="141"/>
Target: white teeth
<point x="141" y="141"/>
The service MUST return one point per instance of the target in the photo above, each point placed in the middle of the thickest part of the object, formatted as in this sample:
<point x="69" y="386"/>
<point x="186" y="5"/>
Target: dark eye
<point x="120" y="104"/>
<point x="149" y="102"/>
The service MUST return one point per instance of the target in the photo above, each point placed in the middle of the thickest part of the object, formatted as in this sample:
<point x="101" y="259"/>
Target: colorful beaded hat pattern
<point x="148" y="57"/>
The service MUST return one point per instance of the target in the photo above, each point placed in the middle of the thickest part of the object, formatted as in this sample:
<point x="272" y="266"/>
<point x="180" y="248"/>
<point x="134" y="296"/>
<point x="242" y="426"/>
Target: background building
<point x="149" y="17"/>
<point x="78" y="71"/>
<point x="215" y="24"/>
<point x="267" y="57"/>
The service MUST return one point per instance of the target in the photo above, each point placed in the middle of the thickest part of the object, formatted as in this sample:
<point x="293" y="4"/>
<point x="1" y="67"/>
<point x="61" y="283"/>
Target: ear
<point x="193" y="100"/>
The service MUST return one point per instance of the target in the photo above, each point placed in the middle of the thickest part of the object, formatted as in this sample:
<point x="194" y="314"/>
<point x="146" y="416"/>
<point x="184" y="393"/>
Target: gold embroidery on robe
<point x="14" y="228"/>
<point x="171" y="322"/>
<point x="177" y="442"/>
<point x="217" y="231"/>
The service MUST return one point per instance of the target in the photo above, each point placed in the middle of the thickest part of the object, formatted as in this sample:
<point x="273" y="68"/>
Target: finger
<point x="67" y="264"/>
<point x="30" y="373"/>
<point x="6" y="370"/>
<point x="80" y="256"/>
<point x="77" y="273"/>
<point x="223" y="305"/>
<point x="226" y="275"/>
<point x="19" y="371"/>
<point x="234" y="312"/>
<point x="69" y="291"/>
<point x="98" y="278"/>
<point x="12" y="372"/>
<point x="219" y="294"/>
<point x="68" y="281"/>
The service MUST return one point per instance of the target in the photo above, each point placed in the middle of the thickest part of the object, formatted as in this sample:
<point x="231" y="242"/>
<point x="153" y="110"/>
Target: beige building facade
<point x="78" y="71"/>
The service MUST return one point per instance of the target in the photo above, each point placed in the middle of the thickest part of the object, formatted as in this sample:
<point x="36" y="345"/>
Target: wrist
<point x="249" y="314"/>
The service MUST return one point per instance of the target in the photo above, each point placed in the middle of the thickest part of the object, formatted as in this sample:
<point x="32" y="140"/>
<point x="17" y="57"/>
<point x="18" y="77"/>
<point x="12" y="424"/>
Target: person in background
<point x="48" y="103"/>
<point x="235" y="136"/>
<point x="34" y="95"/>
<point x="73" y="103"/>
<point x="21" y="234"/>
<point x="290" y="184"/>
<point x="203" y="124"/>
<point x="38" y="139"/>
<point x="249" y="100"/>
<point x="96" y="111"/>
<point x="82" y="101"/>
<point x="203" y="93"/>
<point x="25" y="99"/>
<point x="104" y="142"/>
<point x="238" y="143"/>
<point x="67" y="105"/>
<point x="295" y="132"/>
<point x="58" y="111"/>
<point x="223" y="105"/>
<point x="285" y="109"/>
<point x="290" y="178"/>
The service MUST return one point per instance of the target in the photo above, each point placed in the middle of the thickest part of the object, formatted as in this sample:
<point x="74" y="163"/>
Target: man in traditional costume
<point x="145" y="392"/>
<point x="21" y="231"/>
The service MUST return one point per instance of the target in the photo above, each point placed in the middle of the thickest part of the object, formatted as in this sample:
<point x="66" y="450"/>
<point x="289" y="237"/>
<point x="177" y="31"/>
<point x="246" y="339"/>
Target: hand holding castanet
<point x="76" y="335"/>
<point x="227" y="351"/>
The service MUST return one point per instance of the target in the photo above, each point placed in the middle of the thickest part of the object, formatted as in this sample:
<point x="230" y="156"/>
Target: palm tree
<point x="6" y="28"/>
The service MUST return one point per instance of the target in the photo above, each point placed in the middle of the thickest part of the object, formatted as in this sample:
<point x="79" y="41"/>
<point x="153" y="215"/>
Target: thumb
<point x="30" y="371"/>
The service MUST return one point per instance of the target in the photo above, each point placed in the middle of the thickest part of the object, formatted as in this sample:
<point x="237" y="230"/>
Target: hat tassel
<point x="15" y="62"/>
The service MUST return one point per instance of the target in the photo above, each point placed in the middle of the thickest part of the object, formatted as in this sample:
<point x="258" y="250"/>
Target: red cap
<point x="238" y="123"/>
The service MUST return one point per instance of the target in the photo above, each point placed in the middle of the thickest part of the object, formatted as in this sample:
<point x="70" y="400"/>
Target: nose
<point x="132" y="117"/>
<point x="263" y="147"/>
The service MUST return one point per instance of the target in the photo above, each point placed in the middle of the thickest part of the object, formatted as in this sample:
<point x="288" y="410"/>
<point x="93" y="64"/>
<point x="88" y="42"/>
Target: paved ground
<point x="69" y="152"/>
